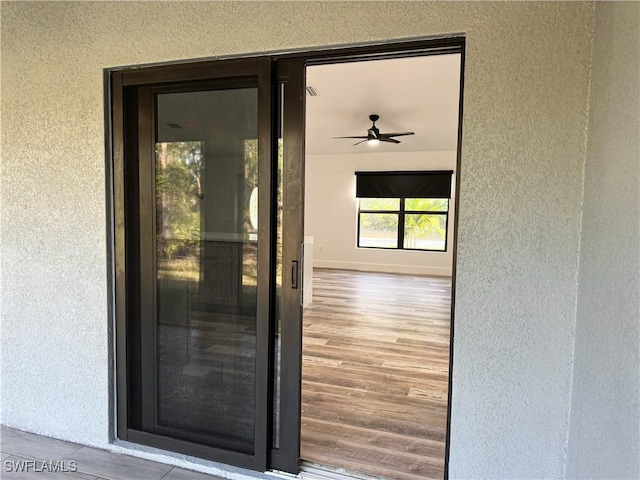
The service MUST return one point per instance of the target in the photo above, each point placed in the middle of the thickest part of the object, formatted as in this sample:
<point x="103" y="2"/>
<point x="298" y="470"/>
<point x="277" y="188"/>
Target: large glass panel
<point x="206" y="264"/>
<point x="378" y="230"/>
<point x="381" y="204"/>
<point x="425" y="232"/>
<point x="427" y="204"/>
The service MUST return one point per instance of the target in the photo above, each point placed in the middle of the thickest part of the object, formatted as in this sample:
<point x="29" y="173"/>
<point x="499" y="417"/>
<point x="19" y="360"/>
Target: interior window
<point x="403" y="223"/>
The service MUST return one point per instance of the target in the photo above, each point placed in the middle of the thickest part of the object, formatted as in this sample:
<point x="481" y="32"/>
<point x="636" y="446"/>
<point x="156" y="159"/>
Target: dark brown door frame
<point x="134" y="262"/>
<point x="289" y="68"/>
<point x="290" y="74"/>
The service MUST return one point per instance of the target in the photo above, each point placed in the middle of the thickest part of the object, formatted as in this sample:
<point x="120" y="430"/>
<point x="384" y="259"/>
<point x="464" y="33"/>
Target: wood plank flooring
<point x="375" y="373"/>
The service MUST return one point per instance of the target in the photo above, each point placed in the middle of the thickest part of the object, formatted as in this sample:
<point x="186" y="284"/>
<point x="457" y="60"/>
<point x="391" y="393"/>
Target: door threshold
<point x="318" y="471"/>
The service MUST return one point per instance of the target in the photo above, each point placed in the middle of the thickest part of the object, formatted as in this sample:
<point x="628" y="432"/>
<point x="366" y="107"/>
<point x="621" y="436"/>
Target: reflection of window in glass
<point x="403" y="223"/>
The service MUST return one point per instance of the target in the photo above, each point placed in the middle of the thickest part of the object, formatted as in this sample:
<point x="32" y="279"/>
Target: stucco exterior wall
<point x="605" y="408"/>
<point x="525" y="100"/>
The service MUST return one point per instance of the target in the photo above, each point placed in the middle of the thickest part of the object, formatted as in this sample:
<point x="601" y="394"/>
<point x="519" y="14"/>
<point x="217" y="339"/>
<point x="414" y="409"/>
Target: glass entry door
<point x="205" y="272"/>
<point x="198" y="252"/>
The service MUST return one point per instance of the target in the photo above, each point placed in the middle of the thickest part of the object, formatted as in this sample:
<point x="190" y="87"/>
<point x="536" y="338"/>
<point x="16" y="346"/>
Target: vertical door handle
<point x="294" y="274"/>
<point x="302" y="274"/>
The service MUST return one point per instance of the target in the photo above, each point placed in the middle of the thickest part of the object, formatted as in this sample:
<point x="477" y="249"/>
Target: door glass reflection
<point x="206" y="264"/>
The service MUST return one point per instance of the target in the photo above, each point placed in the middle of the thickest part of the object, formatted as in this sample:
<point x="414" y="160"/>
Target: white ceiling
<point x="418" y="94"/>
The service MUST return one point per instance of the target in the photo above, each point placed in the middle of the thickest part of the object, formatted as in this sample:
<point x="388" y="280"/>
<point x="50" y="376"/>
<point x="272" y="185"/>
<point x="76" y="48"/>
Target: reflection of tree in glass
<point x="178" y="195"/>
<point x="279" y="207"/>
<point x="249" y="248"/>
<point x="251" y="178"/>
<point x="250" y="182"/>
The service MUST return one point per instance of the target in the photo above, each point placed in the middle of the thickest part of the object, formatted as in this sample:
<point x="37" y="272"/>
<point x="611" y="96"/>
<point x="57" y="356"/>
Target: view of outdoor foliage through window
<point x="403" y="223"/>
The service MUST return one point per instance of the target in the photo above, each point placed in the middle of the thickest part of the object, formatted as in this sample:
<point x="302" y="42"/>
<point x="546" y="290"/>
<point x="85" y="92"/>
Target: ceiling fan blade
<point x="374" y="135"/>
<point x="396" y="134"/>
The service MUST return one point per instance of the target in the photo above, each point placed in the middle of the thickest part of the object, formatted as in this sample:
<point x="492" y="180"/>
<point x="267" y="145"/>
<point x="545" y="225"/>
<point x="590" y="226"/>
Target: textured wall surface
<point x="605" y="404"/>
<point x="331" y="217"/>
<point x="525" y="98"/>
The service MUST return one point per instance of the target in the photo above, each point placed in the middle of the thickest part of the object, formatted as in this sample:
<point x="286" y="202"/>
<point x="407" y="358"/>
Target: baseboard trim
<point x="383" y="267"/>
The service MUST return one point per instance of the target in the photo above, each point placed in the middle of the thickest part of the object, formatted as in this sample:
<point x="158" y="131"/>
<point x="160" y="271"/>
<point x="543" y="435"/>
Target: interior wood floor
<point x="375" y="373"/>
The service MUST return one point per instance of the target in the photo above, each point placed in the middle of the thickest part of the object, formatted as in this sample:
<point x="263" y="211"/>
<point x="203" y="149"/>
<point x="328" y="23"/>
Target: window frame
<point x="401" y="213"/>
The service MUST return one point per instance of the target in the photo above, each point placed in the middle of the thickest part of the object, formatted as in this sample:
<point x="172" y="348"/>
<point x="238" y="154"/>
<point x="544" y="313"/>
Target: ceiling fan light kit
<point x="374" y="137"/>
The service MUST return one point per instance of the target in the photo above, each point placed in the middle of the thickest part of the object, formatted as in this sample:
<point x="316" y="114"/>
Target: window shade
<point x="428" y="184"/>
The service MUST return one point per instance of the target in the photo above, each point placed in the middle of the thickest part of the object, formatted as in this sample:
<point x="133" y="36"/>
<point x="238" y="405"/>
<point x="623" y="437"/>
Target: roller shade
<point x="427" y="184"/>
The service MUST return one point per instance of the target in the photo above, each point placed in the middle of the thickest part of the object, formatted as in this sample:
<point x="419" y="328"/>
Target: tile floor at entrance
<point x="19" y="448"/>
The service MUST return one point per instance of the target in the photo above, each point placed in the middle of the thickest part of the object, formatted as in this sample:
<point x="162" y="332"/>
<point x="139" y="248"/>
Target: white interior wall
<point x="331" y="211"/>
<point x="523" y="149"/>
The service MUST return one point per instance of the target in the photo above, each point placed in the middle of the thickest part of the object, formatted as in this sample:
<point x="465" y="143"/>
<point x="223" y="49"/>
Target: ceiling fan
<point x="374" y="136"/>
